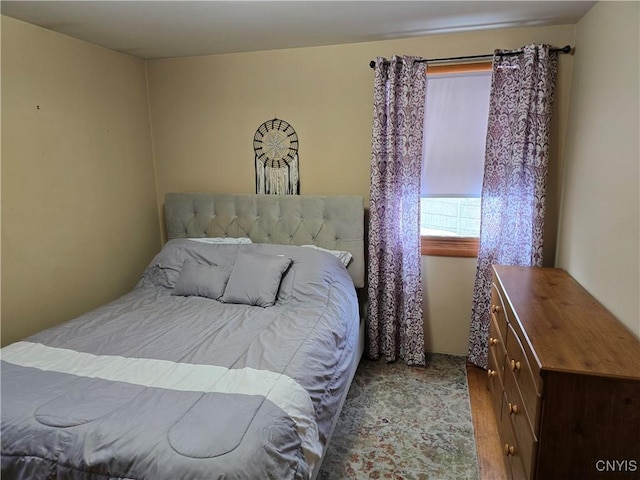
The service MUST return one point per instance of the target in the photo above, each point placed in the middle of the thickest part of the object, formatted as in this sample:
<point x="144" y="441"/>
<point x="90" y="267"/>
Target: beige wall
<point x="447" y="288"/>
<point x="205" y="111"/>
<point x="78" y="171"/>
<point x="79" y="217"/>
<point x="599" y="240"/>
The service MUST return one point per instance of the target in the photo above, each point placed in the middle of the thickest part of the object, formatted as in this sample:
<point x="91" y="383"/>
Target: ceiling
<point x="162" y="29"/>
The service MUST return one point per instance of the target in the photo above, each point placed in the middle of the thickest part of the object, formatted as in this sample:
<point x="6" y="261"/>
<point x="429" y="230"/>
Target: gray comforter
<point x="158" y="386"/>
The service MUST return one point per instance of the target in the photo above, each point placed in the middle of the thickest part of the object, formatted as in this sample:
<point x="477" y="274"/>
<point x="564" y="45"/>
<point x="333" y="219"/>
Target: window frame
<point x="443" y="246"/>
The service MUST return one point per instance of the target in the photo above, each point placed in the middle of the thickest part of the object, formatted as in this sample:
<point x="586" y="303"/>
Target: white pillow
<point x="222" y="240"/>
<point x="344" y="256"/>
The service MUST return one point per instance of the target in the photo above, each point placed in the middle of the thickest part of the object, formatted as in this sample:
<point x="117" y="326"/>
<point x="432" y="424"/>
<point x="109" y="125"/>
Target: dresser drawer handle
<point x="495" y="309"/>
<point x="515" y="365"/>
<point x="491" y="373"/>
<point x="513" y="408"/>
<point x="509" y="449"/>
<point x="493" y="341"/>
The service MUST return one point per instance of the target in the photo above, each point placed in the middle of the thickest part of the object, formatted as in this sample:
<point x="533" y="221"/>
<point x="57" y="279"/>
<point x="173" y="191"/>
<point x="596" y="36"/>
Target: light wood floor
<point x="490" y="458"/>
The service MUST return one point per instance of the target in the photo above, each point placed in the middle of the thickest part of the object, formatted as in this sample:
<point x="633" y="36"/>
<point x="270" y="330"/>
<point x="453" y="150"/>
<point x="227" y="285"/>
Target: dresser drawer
<point x="522" y="424"/>
<point x="510" y="446"/>
<point x="494" y="381"/>
<point x="498" y="310"/>
<point x="497" y="345"/>
<point x="518" y="367"/>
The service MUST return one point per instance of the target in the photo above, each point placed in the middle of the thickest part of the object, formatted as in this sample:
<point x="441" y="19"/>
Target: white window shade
<point x="455" y="130"/>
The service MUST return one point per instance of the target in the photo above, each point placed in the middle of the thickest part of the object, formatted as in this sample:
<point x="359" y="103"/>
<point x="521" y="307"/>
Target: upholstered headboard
<point x="333" y="222"/>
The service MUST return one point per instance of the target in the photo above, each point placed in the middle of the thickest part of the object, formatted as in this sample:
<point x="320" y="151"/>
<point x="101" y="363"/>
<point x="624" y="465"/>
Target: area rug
<point x="401" y="422"/>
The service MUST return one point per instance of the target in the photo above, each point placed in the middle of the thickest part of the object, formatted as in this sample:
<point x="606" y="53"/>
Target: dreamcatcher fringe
<point x="278" y="181"/>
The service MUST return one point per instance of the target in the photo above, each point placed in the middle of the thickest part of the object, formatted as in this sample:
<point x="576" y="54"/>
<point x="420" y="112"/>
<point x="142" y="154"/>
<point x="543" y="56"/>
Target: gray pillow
<point x="202" y="280"/>
<point x="255" y="279"/>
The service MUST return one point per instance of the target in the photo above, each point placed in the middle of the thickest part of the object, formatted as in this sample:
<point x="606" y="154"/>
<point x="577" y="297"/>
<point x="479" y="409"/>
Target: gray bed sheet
<point x="158" y="386"/>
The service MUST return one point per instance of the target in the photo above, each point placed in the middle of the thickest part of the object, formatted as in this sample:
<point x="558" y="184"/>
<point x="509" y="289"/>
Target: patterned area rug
<point x="401" y="422"/>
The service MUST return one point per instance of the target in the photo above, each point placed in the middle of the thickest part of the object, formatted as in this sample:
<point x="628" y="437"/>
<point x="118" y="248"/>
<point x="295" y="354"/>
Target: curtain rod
<point x="565" y="49"/>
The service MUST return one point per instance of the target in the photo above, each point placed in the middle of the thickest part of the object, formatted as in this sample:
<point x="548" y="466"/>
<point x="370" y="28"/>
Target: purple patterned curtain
<point x="515" y="174"/>
<point x="395" y="325"/>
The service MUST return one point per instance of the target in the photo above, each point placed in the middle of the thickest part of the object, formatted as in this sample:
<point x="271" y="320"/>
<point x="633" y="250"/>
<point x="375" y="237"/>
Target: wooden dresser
<point x="564" y="377"/>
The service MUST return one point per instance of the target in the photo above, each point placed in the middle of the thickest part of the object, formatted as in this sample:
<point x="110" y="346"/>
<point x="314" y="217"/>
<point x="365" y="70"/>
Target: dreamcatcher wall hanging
<point x="276" y="148"/>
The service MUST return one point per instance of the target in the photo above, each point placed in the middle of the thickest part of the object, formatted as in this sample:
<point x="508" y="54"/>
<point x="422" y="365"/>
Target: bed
<point x="228" y="359"/>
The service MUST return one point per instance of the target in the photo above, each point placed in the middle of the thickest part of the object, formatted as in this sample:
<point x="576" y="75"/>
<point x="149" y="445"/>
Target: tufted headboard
<point x="333" y="222"/>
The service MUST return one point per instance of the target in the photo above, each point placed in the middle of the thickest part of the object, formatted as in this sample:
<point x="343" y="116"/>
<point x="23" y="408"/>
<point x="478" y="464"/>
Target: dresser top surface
<point x="566" y="327"/>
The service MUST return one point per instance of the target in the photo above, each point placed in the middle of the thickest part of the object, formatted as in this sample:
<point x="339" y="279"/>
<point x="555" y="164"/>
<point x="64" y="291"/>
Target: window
<point x="455" y="129"/>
